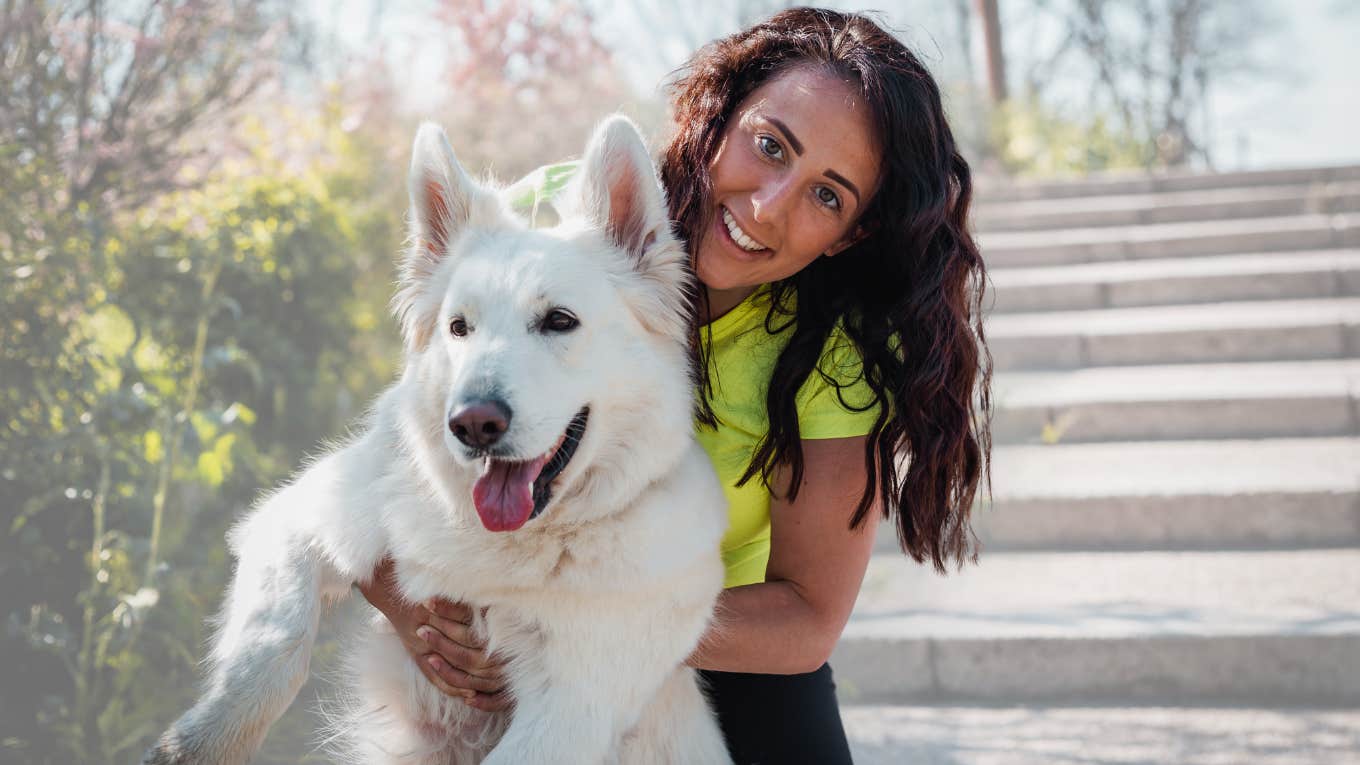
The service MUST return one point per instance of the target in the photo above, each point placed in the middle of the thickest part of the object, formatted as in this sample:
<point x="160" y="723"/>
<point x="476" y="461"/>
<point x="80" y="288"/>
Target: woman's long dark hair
<point x="909" y="294"/>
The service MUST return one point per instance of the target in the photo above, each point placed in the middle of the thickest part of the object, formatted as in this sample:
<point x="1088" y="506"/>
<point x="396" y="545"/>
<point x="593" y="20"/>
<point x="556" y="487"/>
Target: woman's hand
<point x="438" y="635"/>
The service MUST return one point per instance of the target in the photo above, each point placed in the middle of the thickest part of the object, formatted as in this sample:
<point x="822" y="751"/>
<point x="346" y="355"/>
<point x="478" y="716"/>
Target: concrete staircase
<point x="1171" y="565"/>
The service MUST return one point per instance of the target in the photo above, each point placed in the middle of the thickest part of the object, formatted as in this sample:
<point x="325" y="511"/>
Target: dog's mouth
<point x="509" y="493"/>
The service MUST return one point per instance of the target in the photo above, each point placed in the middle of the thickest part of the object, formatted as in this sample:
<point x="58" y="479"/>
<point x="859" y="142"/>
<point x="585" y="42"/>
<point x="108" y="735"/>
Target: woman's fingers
<point x="491" y="702"/>
<point x="451" y="610"/>
<point x="457" y="678"/>
<point x="438" y="635"/>
<point x="459" y="632"/>
<point x="465" y="657"/>
<point x="431" y="673"/>
<point x="447" y="651"/>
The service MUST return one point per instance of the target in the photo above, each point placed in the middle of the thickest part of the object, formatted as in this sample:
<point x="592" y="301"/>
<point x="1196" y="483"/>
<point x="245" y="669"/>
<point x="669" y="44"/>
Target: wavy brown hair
<point x="908" y="294"/>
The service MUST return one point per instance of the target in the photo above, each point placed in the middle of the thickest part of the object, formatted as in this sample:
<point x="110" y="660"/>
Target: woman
<point x="839" y="325"/>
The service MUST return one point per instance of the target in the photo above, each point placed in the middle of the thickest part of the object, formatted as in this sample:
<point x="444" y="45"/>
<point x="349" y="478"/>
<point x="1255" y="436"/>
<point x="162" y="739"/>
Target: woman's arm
<point x="790" y="623"/>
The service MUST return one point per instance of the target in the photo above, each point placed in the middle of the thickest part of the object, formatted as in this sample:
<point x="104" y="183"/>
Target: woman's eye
<point x="558" y="320"/>
<point x="828" y="197"/>
<point x="770" y="147"/>
<point x="458" y="327"/>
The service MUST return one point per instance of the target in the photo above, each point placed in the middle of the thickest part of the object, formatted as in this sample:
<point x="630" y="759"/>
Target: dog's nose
<point x="480" y="424"/>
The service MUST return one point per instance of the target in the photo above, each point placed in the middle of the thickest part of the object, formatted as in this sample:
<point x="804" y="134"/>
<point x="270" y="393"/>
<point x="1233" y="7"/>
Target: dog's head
<point x="550" y="363"/>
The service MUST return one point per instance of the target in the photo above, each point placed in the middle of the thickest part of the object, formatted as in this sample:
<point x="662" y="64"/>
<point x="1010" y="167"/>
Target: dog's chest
<point x="479" y="566"/>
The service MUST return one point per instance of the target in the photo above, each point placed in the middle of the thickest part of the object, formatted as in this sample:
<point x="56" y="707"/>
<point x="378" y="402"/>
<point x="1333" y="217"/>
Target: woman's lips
<point x="726" y="236"/>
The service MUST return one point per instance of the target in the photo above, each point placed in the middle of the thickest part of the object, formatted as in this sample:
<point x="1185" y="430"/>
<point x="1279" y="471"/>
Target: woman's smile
<point x="731" y="231"/>
<point x="739" y="235"/>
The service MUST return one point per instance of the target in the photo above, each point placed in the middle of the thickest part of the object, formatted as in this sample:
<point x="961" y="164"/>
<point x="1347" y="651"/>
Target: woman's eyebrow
<point x="842" y="180"/>
<point x="794" y="143"/>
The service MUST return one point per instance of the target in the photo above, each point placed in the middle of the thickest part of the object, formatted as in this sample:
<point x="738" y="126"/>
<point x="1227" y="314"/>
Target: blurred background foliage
<point x="200" y="207"/>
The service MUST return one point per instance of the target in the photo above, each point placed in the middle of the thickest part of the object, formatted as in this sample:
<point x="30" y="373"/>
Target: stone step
<point x="996" y="190"/>
<point x="1217" y="278"/>
<point x="1168" y="207"/>
<point x="954" y="735"/>
<point x="1184" y="401"/>
<point x="1003" y="249"/>
<point x="1265" y="330"/>
<point x="1277" y="628"/>
<point x="1171" y="495"/>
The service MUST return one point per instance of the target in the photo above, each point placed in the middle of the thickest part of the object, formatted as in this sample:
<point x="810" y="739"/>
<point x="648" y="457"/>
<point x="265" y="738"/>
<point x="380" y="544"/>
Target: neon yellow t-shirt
<point x="742" y="357"/>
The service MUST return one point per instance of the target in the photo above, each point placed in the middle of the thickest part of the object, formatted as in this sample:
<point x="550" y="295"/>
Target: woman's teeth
<point x="739" y="236"/>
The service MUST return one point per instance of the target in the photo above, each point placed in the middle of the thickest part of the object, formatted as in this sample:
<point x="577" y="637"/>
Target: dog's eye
<point x="458" y="326"/>
<point x="559" y="320"/>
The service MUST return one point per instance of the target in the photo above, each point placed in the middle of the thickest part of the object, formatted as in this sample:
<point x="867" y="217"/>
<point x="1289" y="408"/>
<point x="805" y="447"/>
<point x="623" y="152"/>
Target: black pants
<point x="777" y="719"/>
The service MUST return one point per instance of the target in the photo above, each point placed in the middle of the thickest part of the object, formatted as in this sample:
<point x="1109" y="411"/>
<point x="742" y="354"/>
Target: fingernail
<point x="434" y="662"/>
<point x="423" y="632"/>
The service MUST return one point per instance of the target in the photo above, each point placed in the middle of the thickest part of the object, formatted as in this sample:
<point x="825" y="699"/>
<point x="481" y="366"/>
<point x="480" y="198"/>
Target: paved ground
<point x="1127" y="736"/>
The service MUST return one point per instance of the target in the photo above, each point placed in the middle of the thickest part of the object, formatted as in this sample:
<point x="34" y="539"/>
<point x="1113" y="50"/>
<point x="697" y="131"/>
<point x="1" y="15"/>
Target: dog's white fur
<point x="598" y="600"/>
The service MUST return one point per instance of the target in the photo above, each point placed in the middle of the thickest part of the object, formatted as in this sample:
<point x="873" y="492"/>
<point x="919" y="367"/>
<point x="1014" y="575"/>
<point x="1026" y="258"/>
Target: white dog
<point x="535" y="458"/>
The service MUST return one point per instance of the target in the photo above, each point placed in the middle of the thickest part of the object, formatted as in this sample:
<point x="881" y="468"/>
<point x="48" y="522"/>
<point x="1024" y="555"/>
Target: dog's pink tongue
<point x="504" y="494"/>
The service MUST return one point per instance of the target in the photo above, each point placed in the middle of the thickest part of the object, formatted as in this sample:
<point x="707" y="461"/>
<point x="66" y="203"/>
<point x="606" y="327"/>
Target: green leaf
<point x="215" y="464"/>
<point x="153" y="449"/>
<point x="239" y="411"/>
<point x="112" y="330"/>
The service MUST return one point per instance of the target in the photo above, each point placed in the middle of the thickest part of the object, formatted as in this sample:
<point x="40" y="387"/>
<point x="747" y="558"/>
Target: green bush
<point x="161" y="368"/>
<point x="1032" y="139"/>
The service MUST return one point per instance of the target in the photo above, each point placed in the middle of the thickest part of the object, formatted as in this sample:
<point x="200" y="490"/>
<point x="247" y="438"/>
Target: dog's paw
<point x="172" y="750"/>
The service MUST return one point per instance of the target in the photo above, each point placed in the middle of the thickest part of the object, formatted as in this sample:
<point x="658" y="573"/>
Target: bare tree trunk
<point x="963" y="16"/>
<point x="996" y="63"/>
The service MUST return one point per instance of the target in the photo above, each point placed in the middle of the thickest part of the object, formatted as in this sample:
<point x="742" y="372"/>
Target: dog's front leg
<point x="259" y="660"/>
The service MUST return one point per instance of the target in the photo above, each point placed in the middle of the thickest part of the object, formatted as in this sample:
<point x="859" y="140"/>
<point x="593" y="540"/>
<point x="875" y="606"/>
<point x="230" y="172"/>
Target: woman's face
<point x="796" y="164"/>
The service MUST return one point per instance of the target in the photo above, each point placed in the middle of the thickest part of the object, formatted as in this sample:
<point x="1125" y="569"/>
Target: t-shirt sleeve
<point x="842" y="406"/>
<point x="536" y="191"/>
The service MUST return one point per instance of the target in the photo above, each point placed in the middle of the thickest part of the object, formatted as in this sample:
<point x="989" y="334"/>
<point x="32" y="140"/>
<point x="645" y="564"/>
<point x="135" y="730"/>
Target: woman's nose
<point x="770" y="200"/>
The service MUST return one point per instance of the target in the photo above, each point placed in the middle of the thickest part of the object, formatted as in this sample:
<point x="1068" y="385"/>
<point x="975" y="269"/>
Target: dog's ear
<point x="441" y="193"/>
<point x="442" y="200"/>
<point x="619" y="189"/>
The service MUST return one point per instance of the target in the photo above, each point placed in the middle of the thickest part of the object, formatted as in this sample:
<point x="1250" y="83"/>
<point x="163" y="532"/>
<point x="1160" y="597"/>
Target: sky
<point x="1303" y="108"/>
<point x="1308" y="112"/>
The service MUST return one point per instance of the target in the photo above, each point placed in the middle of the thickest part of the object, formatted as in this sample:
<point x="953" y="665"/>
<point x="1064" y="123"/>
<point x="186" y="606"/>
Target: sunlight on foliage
<point x="163" y="365"/>
<point x="1032" y="139"/>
